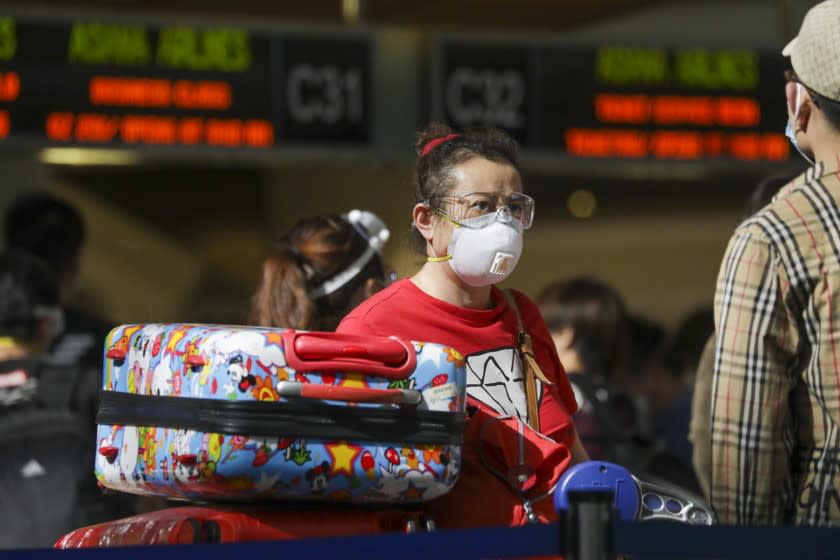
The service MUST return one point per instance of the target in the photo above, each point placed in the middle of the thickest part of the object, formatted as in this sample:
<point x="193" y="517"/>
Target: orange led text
<point x="159" y="130"/>
<point x="156" y="92"/>
<point x="675" y="144"/>
<point x="677" y="110"/>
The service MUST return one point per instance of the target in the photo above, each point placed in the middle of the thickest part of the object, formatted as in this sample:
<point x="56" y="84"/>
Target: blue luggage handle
<point x="634" y="499"/>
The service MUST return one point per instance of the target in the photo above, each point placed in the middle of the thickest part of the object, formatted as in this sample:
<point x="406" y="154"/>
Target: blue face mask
<point x="789" y="129"/>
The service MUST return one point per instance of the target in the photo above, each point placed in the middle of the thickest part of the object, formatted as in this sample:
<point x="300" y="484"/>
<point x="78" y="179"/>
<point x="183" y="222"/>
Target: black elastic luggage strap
<point x="297" y="419"/>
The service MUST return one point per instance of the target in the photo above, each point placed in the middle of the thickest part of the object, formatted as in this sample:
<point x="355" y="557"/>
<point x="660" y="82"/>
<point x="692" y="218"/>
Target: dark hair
<point x="312" y="252"/>
<point x="764" y="192"/>
<point x="26" y="284"/>
<point x="647" y="338"/>
<point x="682" y="352"/>
<point x="47" y="227"/>
<point x="598" y="316"/>
<point x="440" y="149"/>
<point x="830" y="108"/>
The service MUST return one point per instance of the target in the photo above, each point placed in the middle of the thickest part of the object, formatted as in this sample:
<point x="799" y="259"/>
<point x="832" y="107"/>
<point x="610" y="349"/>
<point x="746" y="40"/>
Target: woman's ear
<point x="423" y="218"/>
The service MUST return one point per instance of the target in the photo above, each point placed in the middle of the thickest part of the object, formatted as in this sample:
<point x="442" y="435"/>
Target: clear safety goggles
<point x="465" y="207"/>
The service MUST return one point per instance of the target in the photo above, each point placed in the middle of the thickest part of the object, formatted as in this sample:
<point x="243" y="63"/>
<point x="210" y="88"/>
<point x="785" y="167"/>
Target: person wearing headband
<point x="47" y="429"/>
<point x="320" y="269"/>
<point x="468" y="220"/>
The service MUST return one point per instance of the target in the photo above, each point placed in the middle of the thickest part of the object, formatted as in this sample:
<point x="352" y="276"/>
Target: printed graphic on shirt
<point x="496" y="379"/>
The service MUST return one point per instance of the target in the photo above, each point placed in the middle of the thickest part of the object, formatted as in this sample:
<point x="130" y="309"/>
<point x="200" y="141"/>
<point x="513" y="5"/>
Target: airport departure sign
<point x="618" y="102"/>
<point x="90" y="82"/>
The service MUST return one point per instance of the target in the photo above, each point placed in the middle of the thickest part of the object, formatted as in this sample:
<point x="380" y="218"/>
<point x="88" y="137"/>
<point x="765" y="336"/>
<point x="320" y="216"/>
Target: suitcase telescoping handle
<point x="392" y="358"/>
<point x="349" y="394"/>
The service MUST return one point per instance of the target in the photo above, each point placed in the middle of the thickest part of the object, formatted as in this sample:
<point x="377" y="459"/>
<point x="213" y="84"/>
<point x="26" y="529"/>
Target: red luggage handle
<point x="292" y="389"/>
<point x="392" y="358"/>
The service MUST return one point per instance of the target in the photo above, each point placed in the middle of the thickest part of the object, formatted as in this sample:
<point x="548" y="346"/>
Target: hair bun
<point x="437" y="142"/>
<point x="431" y="133"/>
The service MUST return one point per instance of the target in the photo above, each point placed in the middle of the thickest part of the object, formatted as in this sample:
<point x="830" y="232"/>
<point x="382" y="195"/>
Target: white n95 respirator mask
<point x="486" y="249"/>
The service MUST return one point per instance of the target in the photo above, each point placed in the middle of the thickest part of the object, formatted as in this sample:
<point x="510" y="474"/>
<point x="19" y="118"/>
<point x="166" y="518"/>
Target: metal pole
<point x="589" y="525"/>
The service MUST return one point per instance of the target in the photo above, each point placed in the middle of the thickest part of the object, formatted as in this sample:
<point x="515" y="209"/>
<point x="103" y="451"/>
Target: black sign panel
<point x="116" y="84"/>
<point x="617" y="102"/>
<point x="487" y="86"/>
<point x="325" y="89"/>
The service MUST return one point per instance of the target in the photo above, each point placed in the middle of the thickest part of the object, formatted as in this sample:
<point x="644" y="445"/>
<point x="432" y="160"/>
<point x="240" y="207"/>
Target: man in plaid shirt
<point x="776" y="389"/>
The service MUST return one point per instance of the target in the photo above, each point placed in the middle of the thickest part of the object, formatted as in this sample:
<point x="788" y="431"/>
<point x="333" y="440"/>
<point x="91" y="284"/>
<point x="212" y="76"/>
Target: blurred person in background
<point x="669" y="386"/>
<point x="54" y="231"/>
<point x="647" y="342"/>
<point x="46" y="428"/>
<point x="321" y="269"/>
<point x="775" y="392"/>
<point x="590" y="327"/>
<point x="699" y="433"/>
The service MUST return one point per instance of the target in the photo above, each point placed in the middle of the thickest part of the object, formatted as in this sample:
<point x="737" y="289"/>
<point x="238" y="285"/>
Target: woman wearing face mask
<point x="468" y="221"/>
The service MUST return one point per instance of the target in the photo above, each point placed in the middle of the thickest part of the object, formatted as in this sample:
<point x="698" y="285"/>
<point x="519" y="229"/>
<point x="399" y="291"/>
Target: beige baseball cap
<point x="815" y="52"/>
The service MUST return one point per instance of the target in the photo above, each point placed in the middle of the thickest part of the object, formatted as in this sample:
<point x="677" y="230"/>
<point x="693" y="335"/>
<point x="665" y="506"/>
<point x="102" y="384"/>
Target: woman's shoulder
<point x="379" y="306"/>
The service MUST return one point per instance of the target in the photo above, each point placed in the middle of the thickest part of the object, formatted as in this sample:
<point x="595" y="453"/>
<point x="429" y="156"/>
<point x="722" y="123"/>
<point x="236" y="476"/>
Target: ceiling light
<point x="582" y="204"/>
<point x="88" y="156"/>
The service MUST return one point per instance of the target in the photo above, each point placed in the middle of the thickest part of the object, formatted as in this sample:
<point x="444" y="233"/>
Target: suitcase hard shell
<point x="209" y="412"/>
<point x="209" y="524"/>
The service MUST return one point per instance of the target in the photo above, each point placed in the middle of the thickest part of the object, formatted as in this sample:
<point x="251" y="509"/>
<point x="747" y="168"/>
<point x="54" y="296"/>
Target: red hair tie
<point x="437" y="142"/>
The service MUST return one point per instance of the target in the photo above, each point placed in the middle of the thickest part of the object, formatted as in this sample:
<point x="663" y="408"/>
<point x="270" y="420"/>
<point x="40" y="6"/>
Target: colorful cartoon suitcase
<point x="215" y="524"/>
<point x="208" y="412"/>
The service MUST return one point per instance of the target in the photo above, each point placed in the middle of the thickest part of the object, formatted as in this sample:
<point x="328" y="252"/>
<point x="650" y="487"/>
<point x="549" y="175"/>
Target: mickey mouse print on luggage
<point x="206" y="412"/>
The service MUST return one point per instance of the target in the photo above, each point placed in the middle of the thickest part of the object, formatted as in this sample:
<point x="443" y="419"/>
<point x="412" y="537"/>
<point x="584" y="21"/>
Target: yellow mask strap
<point x="454" y="223"/>
<point x="443" y="214"/>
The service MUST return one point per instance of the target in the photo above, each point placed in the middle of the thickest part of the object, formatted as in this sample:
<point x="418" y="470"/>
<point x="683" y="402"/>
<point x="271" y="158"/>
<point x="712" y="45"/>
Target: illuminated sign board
<point x="614" y="102"/>
<point x="118" y="84"/>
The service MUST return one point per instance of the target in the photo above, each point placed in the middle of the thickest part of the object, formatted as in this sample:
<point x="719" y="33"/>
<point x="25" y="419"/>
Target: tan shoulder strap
<point x="529" y="364"/>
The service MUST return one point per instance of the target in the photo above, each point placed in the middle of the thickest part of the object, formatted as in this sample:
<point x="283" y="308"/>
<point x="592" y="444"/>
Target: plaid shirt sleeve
<point x="751" y="426"/>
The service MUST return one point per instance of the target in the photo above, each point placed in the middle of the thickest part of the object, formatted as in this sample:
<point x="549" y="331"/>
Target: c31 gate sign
<point x="89" y="82"/>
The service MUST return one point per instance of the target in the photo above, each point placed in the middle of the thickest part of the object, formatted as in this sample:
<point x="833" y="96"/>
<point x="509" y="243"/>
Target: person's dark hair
<point x="682" y="352"/>
<point x="647" y="340"/>
<point x="47" y="227"/>
<point x="830" y="108"/>
<point x="311" y="253"/>
<point x="440" y="149"/>
<point x="598" y="316"/>
<point x="764" y="192"/>
<point x="27" y="286"/>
